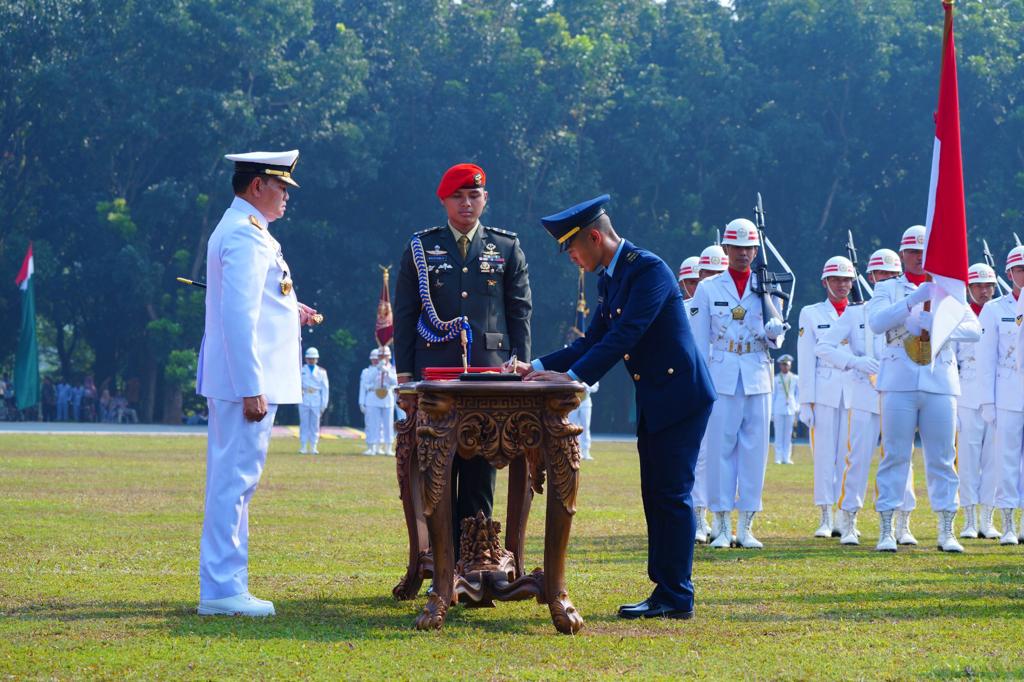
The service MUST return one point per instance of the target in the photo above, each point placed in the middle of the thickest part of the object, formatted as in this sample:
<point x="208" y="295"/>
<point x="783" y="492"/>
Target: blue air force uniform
<point x="640" y="319"/>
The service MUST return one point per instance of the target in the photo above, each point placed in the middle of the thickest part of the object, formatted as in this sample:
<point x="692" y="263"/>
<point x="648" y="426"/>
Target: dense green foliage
<point x="115" y="116"/>
<point x="101" y="582"/>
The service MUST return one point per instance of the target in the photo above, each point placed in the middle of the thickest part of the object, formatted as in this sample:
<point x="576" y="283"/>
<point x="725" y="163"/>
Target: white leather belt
<point x="741" y="347"/>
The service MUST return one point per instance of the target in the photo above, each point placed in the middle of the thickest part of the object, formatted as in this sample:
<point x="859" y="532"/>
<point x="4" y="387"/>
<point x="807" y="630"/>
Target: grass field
<point x="99" y="541"/>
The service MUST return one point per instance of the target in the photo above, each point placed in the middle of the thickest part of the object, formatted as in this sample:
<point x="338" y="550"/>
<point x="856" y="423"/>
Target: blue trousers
<point x="667" y="461"/>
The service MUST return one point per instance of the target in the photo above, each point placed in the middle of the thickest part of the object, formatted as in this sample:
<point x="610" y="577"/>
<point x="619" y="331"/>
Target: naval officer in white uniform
<point x="785" y="405"/>
<point x="249" y="364"/>
<point x="316" y="393"/>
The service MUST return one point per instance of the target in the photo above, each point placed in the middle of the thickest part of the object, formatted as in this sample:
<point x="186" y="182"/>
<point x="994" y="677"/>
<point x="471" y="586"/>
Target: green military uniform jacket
<point x="491" y="287"/>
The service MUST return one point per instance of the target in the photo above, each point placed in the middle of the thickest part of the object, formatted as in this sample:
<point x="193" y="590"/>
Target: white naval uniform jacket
<point x="316" y="389"/>
<point x="822" y="382"/>
<point x="785" y="399"/>
<point x="972" y="383"/>
<point x="737" y="349"/>
<point x="887" y="312"/>
<point x="1001" y="382"/>
<point x="251" y="345"/>
<point x="850" y="337"/>
<point x="374" y="378"/>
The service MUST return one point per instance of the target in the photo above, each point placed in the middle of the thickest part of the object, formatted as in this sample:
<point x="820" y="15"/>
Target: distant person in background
<point x="785" y="405"/>
<point x="106" y="407"/>
<point x="377" y="400"/>
<point x="316" y="394"/>
<point x="77" y="393"/>
<point x="581" y="417"/>
<point x="366" y="378"/>
<point x="63" y="401"/>
<point x="49" y="396"/>
<point x="89" y="399"/>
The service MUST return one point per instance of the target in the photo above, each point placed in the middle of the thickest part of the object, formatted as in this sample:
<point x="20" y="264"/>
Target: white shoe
<point x="947" y="541"/>
<point x="744" y="537"/>
<point x="302" y="450"/>
<point x="239" y="605"/>
<point x="587" y="457"/>
<point x="700" y="537"/>
<point x="1009" y="534"/>
<point x="903" y="534"/>
<point x="1020" y="528"/>
<point x="714" y="530"/>
<point x="825" y="529"/>
<point x="723" y="523"/>
<point x="701" y="530"/>
<point x="986" y="528"/>
<point x="970" y="529"/>
<point x="886" y="539"/>
<point x="849" y="525"/>
<point x="315" y="451"/>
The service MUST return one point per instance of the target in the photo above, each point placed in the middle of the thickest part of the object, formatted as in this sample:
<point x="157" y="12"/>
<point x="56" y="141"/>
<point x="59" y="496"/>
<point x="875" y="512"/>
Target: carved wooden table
<point x="520" y="425"/>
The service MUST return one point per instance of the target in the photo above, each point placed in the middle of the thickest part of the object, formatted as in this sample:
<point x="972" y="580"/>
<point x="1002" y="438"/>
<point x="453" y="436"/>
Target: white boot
<point x="369" y="449"/>
<point x="986" y="528"/>
<point x="302" y="449"/>
<point x="744" y="537"/>
<point x="886" y="539"/>
<point x="849" y="525"/>
<point x="715" y="529"/>
<point x="1020" y="528"/>
<point x="825" y="529"/>
<point x="903" y="534"/>
<point x="701" y="534"/>
<point x="703" y="521"/>
<point x="970" y="529"/>
<point x="947" y="540"/>
<point x="723" y="522"/>
<point x="1009" y="534"/>
<point x="391" y="449"/>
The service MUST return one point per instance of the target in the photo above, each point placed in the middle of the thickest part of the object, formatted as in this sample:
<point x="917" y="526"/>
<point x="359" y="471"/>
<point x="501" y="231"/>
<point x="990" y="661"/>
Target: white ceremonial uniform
<point x="976" y="458"/>
<point x="785" y="405"/>
<point x="824" y="387"/>
<point x="916" y="397"/>
<point x="251" y="346"/>
<point x="699" y="494"/>
<point x="732" y="328"/>
<point x="316" y="393"/>
<point x="377" y="396"/>
<point x="849" y="338"/>
<point x="997" y="359"/>
<point x="581" y="417"/>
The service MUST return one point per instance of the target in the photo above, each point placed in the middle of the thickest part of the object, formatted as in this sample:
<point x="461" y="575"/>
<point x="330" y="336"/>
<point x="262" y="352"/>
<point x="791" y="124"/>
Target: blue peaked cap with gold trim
<point x="565" y="225"/>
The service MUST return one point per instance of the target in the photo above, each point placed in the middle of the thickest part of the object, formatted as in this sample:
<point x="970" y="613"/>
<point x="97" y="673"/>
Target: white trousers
<point x="934" y="415"/>
<point x="380" y="425"/>
<point x="235" y="454"/>
<point x="783" y="442"/>
<point x="976" y="460"/>
<point x="737" y="443"/>
<point x="581" y="417"/>
<point x="1009" y="430"/>
<point x="309" y="425"/>
<point x="700" y="475"/>
<point x="828" y="447"/>
<point x="860" y="448"/>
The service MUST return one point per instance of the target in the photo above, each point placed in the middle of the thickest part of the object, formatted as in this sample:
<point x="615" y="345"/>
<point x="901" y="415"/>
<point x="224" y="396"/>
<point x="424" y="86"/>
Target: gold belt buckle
<point x="381" y="392"/>
<point x="286" y="285"/>
<point x="919" y="351"/>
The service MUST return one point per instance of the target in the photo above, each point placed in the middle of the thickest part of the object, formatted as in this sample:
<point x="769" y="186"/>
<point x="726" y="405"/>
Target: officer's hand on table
<point x="920" y="295"/>
<point x="521" y="368"/>
<point x="548" y="375"/>
<point x="807" y="415"/>
<point x="255" y="408"/>
<point x="774" y="328"/>
<point x="988" y="413"/>
<point x="865" y="364"/>
<point x="307" y="316"/>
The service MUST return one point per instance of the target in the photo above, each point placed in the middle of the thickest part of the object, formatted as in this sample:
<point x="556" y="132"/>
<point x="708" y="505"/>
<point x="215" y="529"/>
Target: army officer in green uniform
<point x="457" y="275"/>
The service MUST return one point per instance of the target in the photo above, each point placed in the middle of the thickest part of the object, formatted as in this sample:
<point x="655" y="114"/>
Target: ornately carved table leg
<point x="408" y="487"/>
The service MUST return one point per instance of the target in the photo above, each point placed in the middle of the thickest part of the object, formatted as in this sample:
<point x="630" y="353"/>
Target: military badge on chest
<point x="491" y="260"/>
<point x="437" y="263"/>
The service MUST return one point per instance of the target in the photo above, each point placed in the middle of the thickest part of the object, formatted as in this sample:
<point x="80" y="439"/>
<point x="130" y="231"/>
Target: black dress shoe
<point x="636" y="605"/>
<point x="652" y="609"/>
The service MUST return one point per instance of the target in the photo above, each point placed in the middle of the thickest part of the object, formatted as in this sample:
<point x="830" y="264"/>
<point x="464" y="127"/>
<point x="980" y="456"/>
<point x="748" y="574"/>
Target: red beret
<point x="461" y="176"/>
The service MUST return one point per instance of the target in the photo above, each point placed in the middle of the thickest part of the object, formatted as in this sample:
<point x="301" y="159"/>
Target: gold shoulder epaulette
<point x="255" y="222"/>
<point x="632" y="256"/>
<point x="507" y="233"/>
<point x="428" y="230"/>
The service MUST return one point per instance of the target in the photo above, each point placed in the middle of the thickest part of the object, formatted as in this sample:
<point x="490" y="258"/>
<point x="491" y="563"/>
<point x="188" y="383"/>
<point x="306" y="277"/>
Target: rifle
<point x="769" y="284"/>
<point x="859" y="284"/>
<point x="991" y="262"/>
<point x="182" y="280"/>
<point x="718" y="237"/>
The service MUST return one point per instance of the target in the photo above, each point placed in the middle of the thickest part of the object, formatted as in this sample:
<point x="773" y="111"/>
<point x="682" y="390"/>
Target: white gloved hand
<point x="988" y="413"/>
<point x="924" y="318"/>
<point x="920" y="295"/>
<point x="807" y="415"/>
<point x="774" y="328"/>
<point x="362" y="408"/>
<point x="865" y="364"/>
<point x="913" y="323"/>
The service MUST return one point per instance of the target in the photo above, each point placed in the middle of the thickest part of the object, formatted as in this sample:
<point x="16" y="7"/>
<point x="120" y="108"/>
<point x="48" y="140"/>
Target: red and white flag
<point x="945" y="243"/>
<point x="27" y="268"/>
<point x="384" y="329"/>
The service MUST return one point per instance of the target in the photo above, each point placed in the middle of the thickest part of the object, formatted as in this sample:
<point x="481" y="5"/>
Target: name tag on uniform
<point x="824" y="326"/>
<point x="1009" y="319"/>
<point x="862" y="326"/>
<point x="722" y="303"/>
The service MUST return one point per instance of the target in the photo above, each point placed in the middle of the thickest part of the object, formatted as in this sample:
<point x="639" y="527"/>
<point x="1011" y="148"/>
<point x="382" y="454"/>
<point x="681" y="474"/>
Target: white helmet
<point x="374" y="354"/>
<point x="1015" y="257"/>
<point x="312" y="352"/>
<point x="688" y="268"/>
<point x="740" y="232"/>
<point x="713" y="258"/>
<point x="913" y="238"/>
<point x="786" y="358"/>
<point x="980" y="273"/>
<point x="885" y="260"/>
<point x="385" y="352"/>
<point x="838" y="266"/>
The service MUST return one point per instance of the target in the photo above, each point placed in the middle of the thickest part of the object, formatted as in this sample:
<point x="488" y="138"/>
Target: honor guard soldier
<point x="713" y="261"/>
<point x="250" y="362"/>
<point x="462" y="277"/>
<point x="1002" y="403"/>
<point x="640" y="319"/>
<point x="316" y="393"/>
<point x="377" y="402"/>
<point x="728" y="324"/>
<point x="850" y="345"/>
<point x="688" y="277"/>
<point x="366" y="381"/>
<point x="785" y="405"/>
<point x="824" y="391"/>
<point x="976" y="458"/>
<point x="917" y="394"/>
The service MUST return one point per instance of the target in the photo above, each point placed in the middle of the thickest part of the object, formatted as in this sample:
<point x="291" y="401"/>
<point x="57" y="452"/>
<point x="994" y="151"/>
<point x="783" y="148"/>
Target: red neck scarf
<point x="740" y="280"/>
<point x="839" y="305"/>
<point x="1016" y="295"/>
<point x="976" y="308"/>
<point x="916" y="279"/>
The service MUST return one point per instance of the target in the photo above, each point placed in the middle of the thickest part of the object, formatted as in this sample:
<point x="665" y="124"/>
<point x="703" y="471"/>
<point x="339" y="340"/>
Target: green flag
<point x="26" y="362"/>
